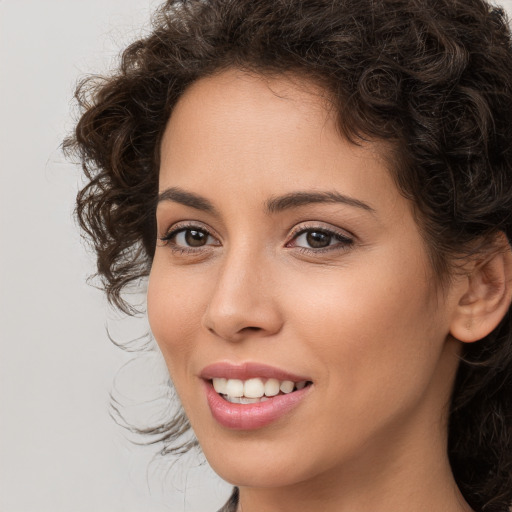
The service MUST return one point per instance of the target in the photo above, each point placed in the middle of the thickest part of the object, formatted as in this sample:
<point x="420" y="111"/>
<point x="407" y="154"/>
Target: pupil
<point x="195" y="238"/>
<point x="317" y="239"/>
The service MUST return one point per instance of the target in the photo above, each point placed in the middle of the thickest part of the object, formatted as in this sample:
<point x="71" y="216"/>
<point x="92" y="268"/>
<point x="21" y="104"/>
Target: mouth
<point x="252" y="395"/>
<point x="255" y="390"/>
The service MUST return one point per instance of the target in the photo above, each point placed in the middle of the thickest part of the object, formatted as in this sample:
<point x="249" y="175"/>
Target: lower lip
<point x="252" y="416"/>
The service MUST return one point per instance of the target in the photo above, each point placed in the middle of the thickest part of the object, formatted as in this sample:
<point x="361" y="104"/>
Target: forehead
<point x="247" y="91"/>
<point x="283" y="128"/>
<point x="235" y="107"/>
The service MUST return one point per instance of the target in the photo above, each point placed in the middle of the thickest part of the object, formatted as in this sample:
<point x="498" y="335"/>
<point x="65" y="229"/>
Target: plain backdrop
<point x="59" y="449"/>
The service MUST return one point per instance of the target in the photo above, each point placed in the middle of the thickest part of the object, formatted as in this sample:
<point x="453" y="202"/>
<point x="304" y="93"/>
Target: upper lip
<point x="247" y="370"/>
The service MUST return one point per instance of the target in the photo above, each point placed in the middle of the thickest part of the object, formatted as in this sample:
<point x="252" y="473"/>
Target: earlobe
<point x="487" y="294"/>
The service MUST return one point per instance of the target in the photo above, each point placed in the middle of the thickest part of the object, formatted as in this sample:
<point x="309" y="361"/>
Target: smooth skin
<point x="339" y="289"/>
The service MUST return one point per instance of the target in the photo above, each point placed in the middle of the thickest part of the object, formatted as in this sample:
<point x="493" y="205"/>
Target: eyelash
<point x="167" y="239"/>
<point x="344" y="241"/>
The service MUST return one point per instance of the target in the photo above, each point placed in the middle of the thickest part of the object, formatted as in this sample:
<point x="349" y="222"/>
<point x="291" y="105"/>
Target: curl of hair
<point x="431" y="77"/>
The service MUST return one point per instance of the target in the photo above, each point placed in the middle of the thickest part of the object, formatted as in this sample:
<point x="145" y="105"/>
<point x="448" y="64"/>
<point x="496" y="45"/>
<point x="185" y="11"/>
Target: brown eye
<point x="190" y="238"/>
<point x="318" y="239"/>
<point x="195" y="238"/>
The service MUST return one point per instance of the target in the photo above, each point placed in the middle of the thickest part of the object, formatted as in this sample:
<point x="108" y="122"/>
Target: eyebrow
<point x="185" y="198"/>
<point x="297" y="199"/>
<point x="273" y="205"/>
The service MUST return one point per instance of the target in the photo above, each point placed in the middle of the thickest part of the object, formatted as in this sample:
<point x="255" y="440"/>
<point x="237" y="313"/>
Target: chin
<point x="264" y="460"/>
<point x="257" y="472"/>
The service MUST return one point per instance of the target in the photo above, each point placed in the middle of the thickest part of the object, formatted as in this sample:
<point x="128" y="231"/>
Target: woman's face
<point x="288" y="254"/>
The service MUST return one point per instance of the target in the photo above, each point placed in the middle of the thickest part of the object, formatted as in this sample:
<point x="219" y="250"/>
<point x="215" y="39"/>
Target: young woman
<point x="320" y="193"/>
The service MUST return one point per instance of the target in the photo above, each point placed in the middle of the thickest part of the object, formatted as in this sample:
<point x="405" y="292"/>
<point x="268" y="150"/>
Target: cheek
<point x="174" y="309"/>
<point x="369" y="344"/>
<point x="375" y="332"/>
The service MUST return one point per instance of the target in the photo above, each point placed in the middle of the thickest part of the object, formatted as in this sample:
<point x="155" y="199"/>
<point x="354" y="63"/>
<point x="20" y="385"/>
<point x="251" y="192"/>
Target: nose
<point x="244" y="301"/>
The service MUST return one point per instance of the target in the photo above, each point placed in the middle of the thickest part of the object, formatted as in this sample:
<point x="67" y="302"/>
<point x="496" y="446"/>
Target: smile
<point x="252" y="395"/>
<point x="255" y="390"/>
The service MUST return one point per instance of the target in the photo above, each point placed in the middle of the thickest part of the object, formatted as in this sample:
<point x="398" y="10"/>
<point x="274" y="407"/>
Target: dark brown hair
<point x="433" y="78"/>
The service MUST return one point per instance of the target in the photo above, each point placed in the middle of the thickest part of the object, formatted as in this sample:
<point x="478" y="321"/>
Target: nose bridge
<point x="242" y="299"/>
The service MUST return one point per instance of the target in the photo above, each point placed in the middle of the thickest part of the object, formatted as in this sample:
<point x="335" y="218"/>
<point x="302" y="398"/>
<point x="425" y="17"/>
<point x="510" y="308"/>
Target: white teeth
<point x="220" y="385"/>
<point x="271" y="387"/>
<point x="242" y="400"/>
<point x="254" y="388"/>
<point x="287" y="386"/>
<point x="234" y="387"/>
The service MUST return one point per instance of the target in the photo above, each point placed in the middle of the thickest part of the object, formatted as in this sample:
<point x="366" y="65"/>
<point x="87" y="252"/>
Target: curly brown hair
<point x="433" y="78"/>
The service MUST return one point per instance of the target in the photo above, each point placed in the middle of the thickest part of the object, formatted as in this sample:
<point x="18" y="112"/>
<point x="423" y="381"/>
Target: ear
<point x="486" y="296"/>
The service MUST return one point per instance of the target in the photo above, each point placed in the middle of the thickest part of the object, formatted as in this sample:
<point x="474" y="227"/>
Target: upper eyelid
<point x="312" y="225"/>
<point x="183" y="225"/>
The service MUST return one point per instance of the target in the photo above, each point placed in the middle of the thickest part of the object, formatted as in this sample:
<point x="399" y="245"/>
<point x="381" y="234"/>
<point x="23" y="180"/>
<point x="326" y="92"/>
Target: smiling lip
<point x="246" y="371"/>
<point x="250" y="416"/>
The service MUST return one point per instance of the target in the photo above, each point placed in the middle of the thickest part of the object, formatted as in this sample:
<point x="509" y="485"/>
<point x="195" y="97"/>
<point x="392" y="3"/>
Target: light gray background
<point x="59" y="449"/>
